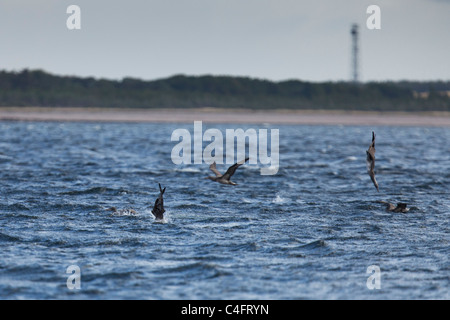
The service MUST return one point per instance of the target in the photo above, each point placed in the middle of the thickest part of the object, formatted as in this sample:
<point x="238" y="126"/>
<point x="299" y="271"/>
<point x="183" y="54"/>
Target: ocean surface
<point x="309" y="232"/>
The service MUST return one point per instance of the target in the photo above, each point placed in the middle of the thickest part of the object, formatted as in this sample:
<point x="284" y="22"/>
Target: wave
<point x="4" y="159"/>
<point x="317" y="247"/>
<point x="7" y="238"/>
<point x="191" y="206"/>
<point x="197" y="270"/>
<point x="314" y="245"/>
<point x="279" y="199"/>
<point x="125" y="213"/>
<point x="188" y="170"/>
<point x="98" y="190"/>
<point x="14" y="207"/>
<point x="95" y="190"/>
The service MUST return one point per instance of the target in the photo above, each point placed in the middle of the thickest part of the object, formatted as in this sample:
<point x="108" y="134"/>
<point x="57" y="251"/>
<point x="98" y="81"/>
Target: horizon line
<point x="349" y="81"/>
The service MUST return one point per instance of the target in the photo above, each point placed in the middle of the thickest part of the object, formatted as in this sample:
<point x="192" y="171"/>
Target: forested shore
<point x="42" y="89"/>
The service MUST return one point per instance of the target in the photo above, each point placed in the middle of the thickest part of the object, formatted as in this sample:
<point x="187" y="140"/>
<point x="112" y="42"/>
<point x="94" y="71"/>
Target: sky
<point x="266" y="39"/>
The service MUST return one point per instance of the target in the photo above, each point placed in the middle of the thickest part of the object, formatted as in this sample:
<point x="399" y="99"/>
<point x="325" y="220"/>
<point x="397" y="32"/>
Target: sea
<point x="317" y="229"/>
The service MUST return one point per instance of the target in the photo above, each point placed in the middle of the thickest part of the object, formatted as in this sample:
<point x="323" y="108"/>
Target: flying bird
<point x="370" y="160"/>
<point x="158" y="208"/>
<point x="225" y="179"/>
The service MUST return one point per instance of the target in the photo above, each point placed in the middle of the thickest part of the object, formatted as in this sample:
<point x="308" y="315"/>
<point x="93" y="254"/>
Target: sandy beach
<point x="307" y="117"/>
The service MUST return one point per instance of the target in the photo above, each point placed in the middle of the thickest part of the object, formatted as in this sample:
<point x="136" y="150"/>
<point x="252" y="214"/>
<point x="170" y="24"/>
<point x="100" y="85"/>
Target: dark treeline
<point x="38" y="88"/>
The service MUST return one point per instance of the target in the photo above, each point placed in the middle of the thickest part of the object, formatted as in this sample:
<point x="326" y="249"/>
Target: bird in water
<point x="401" y="207"/>
<point x="225" y="178"/>
<point x="370" y="160"/>
<point x="158" y="208"/>
<point x="122" y="212"/>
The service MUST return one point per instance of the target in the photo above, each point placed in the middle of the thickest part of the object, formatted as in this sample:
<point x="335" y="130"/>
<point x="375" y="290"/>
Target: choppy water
<point x="310" y="231"/>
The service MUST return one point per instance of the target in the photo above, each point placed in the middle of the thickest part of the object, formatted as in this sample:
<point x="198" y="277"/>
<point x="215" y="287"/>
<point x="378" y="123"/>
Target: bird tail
<point x="161" y="190"/>
<point x="375" y="183"/>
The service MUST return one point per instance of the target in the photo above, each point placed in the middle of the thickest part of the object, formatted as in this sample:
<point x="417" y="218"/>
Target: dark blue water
<point x="311" y="231"/>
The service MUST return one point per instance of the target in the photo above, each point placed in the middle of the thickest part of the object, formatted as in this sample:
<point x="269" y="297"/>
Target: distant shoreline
<point x="238" y="116"/>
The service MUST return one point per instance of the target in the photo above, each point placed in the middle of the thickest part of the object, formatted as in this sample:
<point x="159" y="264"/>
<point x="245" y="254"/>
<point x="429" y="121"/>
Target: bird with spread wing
<point x="225" y="178"/>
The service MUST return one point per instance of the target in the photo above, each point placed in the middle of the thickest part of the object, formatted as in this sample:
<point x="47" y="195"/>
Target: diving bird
<point x="158" y="208"/>
<point x="370" y="160"/>
<point x="401" y="207"/>
<point x="225" y="179"/>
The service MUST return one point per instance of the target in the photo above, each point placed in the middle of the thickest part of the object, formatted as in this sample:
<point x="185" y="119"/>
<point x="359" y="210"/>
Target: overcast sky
<point x="268" y="39"/>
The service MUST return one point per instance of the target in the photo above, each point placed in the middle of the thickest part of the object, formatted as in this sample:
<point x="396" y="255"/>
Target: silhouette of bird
<point x="370" y="160"/>
<point x="225" y="178"/>
<point x="158" y="208"/>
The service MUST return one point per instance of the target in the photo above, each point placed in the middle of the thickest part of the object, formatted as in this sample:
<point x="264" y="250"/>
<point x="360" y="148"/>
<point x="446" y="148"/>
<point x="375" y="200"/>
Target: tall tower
<point x="354" y="33"/>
